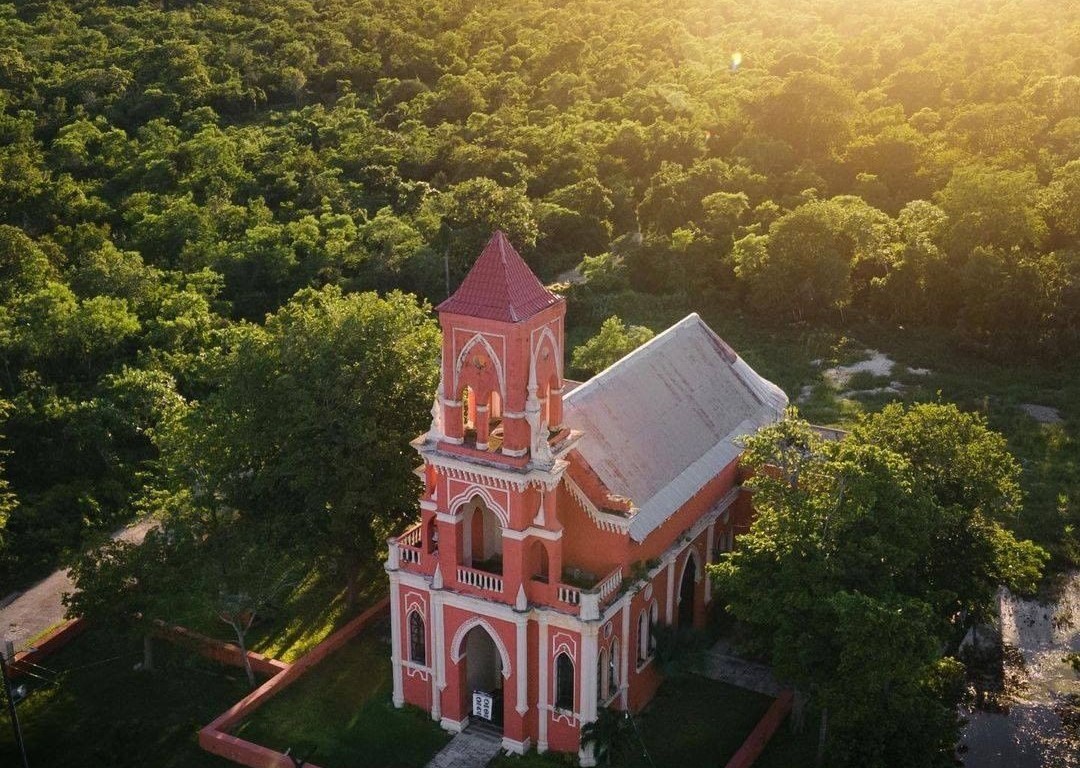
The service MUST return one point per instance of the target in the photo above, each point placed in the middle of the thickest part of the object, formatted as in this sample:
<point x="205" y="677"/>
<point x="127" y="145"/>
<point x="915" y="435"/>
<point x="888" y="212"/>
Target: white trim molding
<point x="467" y="626"/>
<point x="604" y="520"/>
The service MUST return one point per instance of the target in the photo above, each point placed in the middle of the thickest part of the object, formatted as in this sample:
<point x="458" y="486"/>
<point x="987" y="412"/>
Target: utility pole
<point x="9" y="648"/>
<point x="446" y="266"/>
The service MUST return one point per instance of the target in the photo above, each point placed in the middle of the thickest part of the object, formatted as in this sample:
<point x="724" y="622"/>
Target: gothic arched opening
<point x="539" y="565"/>
<point x="482" y="671"/>
<point x="686" y="593"/>
<point x="483" y="537"/>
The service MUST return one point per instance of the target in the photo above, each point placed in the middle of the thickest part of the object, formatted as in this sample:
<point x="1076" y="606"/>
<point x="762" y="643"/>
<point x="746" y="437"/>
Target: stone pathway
<point x="721" y="664"/>
<point x="472" y="748"/>
<point x="39" y="607"/>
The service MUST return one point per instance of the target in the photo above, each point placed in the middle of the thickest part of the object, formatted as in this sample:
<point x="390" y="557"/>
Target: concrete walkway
<point x="722" y="664"/>
<point x="472" y="748"/>
<point x="39" y="607"/>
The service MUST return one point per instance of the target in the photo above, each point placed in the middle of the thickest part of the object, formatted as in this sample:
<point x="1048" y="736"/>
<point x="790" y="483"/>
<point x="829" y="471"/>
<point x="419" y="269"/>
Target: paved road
<point x="39" y="607"/>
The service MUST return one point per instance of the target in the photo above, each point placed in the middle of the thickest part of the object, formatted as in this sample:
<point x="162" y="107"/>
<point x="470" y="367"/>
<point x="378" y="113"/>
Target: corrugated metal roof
<point x="663" y="421"/>
<point x="500" y="286"/>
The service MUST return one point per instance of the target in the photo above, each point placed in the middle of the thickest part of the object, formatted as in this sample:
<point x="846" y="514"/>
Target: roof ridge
<point x="656" y="341"/>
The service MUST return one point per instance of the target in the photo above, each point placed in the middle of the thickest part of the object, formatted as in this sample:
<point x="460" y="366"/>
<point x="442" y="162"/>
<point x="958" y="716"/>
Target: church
<point x="562" y="522"/>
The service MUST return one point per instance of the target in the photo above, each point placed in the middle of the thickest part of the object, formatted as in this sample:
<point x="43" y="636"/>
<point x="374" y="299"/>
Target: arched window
<point x="643" y="637"/>
<point x="613" y="668"/>
<point x="539" y="562"/>
<point x="687" y="589"/>
<point x="564" y="682"/>
<point x="602" y="675"/>
<point x="433" y="535"/>
<point x="654" y="620"/>
<point x="417" y="640"/>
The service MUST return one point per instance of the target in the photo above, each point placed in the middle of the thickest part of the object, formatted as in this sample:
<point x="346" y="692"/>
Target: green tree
<point x="992" y="208"/>
<point x="312" y="418"/>
<point x="867" y="558"/>
<point x="614" y="341"/>
<point x="8" y="502"/>
<point x="802" y="268"/>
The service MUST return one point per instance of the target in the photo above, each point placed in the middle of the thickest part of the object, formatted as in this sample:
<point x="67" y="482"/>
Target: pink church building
<point x="561" y="522"/>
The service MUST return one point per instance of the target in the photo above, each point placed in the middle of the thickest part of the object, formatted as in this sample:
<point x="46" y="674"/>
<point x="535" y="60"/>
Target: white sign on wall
<point x="482" y="704"/>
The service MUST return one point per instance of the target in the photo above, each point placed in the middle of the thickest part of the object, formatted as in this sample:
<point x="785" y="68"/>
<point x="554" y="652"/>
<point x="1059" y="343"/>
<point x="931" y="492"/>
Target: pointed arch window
<point x="564" y="682"/>
<point x="643" y="637"/>
<point x="613" y="668"/>
<point x="646" y="637"/>
<point x="417" y="639"/>
<point x="654" y="621"/>
<point x="602" y="671"/>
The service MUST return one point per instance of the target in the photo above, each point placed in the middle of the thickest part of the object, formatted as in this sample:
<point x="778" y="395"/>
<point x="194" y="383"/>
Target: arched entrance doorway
<point x="483" y="673"/>
<point x="686" y="593"/>
<point x="482" y="541"/>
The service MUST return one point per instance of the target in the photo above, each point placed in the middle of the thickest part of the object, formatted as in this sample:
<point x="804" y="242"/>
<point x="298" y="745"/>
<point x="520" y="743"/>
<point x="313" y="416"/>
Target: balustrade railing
<point x="410" y="555"/>
<point x="608" y="586"/>
<point x="571" y="595"/>
<point x="489" y="582"/>
<point x="411" y="537"/>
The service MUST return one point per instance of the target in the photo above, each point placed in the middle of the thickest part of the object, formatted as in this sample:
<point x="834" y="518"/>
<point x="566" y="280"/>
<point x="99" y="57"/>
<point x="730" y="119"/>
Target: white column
<point x="522" y="665"/>
<point x="670" y="590"/>
<point x="543" y="714"/>
<point x="587" y="699"/>
<point x="438" y="662"/>
<point x="589" y="653"/>
<point x="626" y="647"/>
<point x="395" y="639"/>
<point x="709" y="539"/>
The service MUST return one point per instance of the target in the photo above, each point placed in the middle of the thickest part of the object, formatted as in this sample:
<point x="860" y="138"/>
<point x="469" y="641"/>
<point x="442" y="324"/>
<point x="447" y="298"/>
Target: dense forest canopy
<point x="172" y="170"/>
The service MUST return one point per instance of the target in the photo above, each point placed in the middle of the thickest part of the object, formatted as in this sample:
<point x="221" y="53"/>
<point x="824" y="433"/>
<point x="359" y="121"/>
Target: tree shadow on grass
<point x="315" y="609"/>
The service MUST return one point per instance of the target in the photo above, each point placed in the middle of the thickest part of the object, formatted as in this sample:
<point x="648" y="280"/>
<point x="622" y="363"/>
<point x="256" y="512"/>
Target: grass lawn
<point x="101" y="712"/>
<point x="306" y="616"/>
<point x="697" y="721"/>
<point x="693" y="721"/>
<point x="343" y="709"/>
<point x="787" y="749"/>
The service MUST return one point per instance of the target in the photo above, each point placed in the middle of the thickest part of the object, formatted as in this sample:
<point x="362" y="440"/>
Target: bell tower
<point x="488" y="547"/>
<point x="500" y="393"/>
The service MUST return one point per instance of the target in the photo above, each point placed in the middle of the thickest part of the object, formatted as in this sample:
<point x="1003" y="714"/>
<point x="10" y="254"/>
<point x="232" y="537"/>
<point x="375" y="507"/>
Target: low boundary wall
<point x="46" y="645"/>
<point x="767" y="726"/>
<point x="218" y="650"/>
<point x="214" y="738"/>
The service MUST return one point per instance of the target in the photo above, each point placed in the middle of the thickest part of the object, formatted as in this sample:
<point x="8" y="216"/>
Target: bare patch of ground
<point x="893" y="388"/>
<point x="571" y="276"/>
<point x="1043" y="414"/>
<point x="1031" y="719"/>
<point x="876" y="364"/>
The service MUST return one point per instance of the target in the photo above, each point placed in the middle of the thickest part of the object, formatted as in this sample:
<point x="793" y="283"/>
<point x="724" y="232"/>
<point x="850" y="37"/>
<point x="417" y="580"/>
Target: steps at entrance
<point x="485" y="731"/>
<point x="472" y="748"/>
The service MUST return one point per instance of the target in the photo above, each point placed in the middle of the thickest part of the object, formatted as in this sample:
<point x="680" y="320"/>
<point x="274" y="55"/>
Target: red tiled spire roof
<point x="500" y="286"/>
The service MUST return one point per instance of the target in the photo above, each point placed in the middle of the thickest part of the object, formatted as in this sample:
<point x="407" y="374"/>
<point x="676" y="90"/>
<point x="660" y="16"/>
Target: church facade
<point x="561" y="523"/>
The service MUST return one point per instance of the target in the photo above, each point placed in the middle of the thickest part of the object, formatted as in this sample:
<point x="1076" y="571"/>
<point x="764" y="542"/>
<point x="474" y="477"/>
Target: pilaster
<point x="542" y="705"/>
<point x="395" y="640"/>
